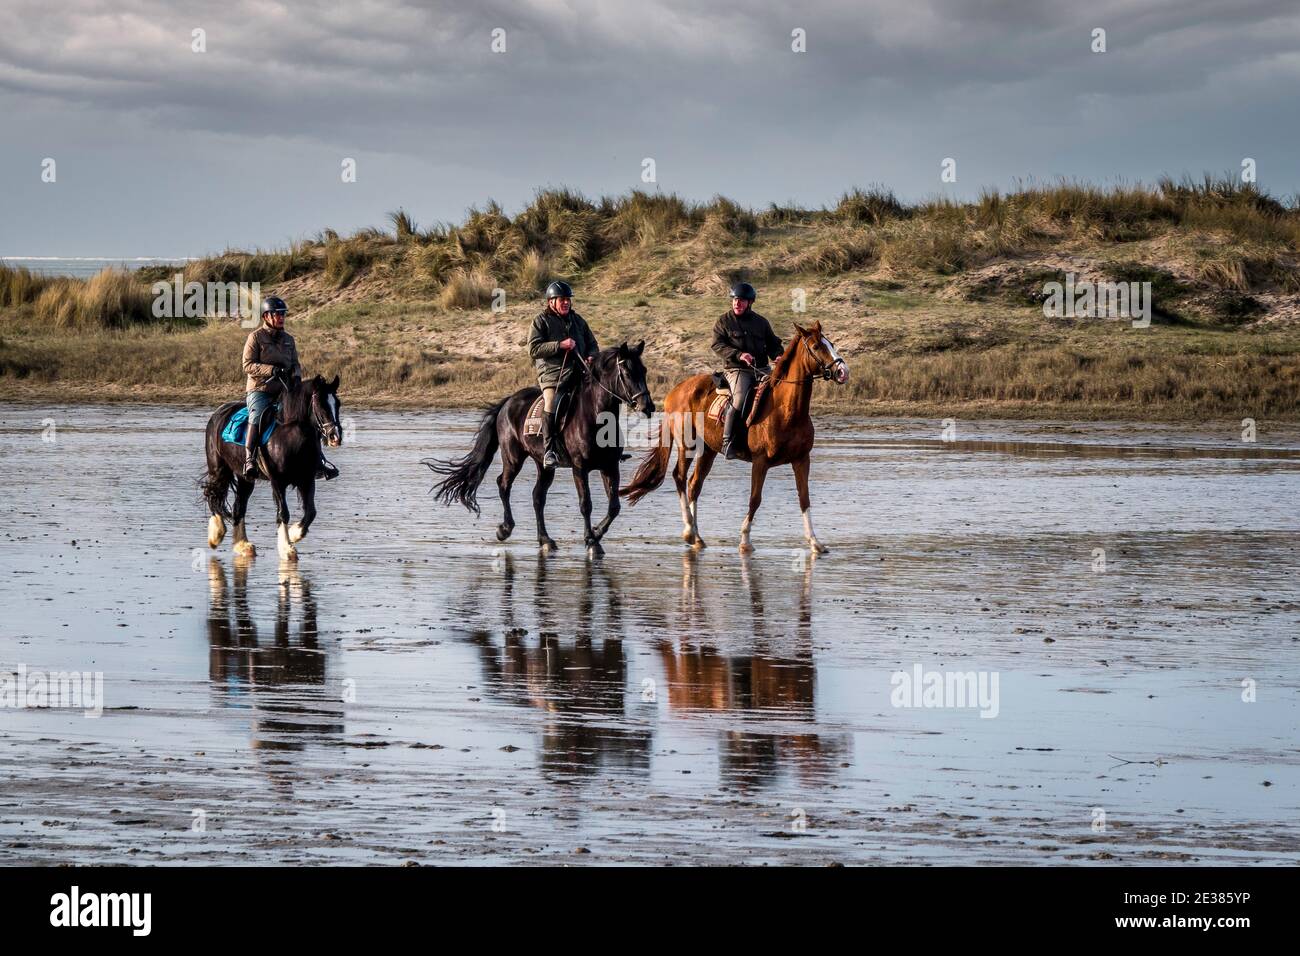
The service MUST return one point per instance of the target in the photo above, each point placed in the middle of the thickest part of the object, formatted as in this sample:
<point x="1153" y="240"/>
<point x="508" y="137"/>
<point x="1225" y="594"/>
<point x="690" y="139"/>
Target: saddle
<point x="237" y="426"/>
<point x="722" y="397"/>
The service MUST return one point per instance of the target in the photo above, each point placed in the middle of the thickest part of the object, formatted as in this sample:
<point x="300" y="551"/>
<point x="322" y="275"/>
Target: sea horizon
<point x="83" y="266"/>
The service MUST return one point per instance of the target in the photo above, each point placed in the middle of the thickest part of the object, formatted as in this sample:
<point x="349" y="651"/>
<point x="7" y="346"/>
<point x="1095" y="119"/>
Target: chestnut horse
<point x="781" y="434"/>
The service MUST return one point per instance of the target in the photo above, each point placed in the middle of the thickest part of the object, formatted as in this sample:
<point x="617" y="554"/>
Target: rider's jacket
<point x="749" y="332"/>
<point x="265" y="348"/>
<point x="548" y="331"/>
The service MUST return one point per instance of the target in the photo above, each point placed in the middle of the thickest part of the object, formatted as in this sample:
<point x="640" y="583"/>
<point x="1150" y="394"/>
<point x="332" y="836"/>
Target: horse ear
<point x="640" y="347"/>
<point x="800" y="329"/>
<point x="334" y="385"/>
<point x="817" y="327"/>
<point x="622" y="350"/>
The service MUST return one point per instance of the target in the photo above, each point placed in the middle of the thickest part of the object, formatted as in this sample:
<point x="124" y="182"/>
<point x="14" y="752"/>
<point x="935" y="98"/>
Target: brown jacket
<point x="267" y="347"/>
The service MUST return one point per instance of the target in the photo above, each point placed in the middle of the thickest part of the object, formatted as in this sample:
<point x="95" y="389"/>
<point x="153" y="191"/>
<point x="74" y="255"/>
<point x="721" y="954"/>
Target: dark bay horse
<point x="590" y="435"/>
<point x="309" y="412"/>
<point x="781" y="434"/>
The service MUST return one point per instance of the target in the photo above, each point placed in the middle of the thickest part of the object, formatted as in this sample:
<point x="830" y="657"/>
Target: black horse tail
<point x="649" y="475"/>
<point x="216" y="488"/>
<point x="464" y="475"/>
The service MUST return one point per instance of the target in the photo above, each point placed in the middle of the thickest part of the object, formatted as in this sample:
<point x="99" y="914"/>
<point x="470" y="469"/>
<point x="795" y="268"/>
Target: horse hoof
<point x="296" y="533"/>
<point x="548" y="547"/>
<point x="289" y="554"/>
<point x="594" y="550"/>
<point x="503" y="532"/>
<point x="245" y="549"/>
<point x="698" y="544"/>
<point x="818" y="548"/>
<point x="216" y="530"/>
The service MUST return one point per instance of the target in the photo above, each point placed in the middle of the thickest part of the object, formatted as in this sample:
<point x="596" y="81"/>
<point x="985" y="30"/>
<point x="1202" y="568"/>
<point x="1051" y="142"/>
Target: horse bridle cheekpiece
<point x="825" y="371"/>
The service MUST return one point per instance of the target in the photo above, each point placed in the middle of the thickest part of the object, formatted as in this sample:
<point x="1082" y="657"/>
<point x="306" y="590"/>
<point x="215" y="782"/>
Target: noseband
<point x="824" y="371"/>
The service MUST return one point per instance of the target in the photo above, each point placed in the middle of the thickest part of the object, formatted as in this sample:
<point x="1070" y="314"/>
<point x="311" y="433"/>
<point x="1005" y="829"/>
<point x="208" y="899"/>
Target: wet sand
<point x="414" y="692"/>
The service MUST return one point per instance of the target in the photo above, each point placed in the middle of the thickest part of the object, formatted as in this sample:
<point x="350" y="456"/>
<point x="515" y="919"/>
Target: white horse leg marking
<point x="287" y="551"/>
<point x="243" y="547"/>
<point x="811" y="535"/>
<point x="688" y="530"/>
<point x="745" y="546"/>
<point x="296" y="533"/>
<point x="216" y="530"/>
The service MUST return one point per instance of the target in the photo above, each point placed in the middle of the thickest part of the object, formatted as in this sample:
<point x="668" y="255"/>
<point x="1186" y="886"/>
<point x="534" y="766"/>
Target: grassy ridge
<point x="937" y="304"/>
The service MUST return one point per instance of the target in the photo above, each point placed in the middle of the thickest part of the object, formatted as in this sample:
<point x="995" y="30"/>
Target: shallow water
<point x="415" y="691"/>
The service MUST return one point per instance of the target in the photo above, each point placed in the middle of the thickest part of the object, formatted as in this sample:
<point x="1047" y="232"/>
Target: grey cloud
<point x="885" y="90"/>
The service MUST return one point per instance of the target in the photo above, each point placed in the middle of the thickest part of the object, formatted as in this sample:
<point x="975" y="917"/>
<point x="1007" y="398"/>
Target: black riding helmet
<point x="273" y="303"/>
<point x="559" y="290"/>
<point x="743" y="290"/>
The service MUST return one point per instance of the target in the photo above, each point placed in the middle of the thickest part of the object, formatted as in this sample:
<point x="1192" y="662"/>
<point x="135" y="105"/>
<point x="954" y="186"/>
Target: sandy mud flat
<point x="414" y="692"/>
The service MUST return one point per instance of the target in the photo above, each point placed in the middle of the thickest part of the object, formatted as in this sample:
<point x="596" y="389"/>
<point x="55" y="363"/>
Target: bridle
<point x="824" y="370"/>
<point x="315" y="419"/>
<point x="632" y="403"/>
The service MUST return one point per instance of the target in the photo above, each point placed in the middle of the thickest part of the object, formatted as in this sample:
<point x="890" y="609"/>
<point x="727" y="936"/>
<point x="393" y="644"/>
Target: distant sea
<point x="83" y="266"/>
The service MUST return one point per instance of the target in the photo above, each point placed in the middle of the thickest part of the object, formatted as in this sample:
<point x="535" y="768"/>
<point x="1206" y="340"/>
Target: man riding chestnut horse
<point x="780" y="430"/>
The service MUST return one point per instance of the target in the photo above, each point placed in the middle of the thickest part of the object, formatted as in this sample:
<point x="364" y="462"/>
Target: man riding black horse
<point x="744" y="340"/>
<point x="270" y="362"/>
<point x="561" y="345"/>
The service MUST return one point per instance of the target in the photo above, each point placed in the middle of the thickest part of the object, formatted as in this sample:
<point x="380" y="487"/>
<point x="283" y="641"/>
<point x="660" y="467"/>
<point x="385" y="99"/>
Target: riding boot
<point x="551" y="458"/>
<point x="325" y="468"/>
<point x="729" y="433"/>
<point x="250" y="449"/>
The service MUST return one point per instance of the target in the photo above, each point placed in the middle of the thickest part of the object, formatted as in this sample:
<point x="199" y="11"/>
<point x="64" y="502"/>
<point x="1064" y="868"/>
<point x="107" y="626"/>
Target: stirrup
<point x="550" y="460"/>
<point x="326" y="469"/>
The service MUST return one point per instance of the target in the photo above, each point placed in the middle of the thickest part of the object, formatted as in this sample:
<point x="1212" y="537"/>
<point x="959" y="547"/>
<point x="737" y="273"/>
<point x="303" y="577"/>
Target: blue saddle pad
<point x="238" y="425"/>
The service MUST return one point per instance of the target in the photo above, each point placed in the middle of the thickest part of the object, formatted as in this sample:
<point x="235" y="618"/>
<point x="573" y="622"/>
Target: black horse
<point x="309" y="411"/>
<point x="590" y="435"/>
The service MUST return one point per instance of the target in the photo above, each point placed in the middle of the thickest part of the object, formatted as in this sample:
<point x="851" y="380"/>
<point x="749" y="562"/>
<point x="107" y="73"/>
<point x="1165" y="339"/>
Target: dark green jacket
<point x="733" y="335"/>
<point x="544" y="338"/>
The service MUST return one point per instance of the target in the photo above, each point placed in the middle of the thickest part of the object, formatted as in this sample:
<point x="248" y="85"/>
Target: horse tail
<point x="215" y="485"/>
<point x="464" y="475"/>
<point x="649" y="474"/>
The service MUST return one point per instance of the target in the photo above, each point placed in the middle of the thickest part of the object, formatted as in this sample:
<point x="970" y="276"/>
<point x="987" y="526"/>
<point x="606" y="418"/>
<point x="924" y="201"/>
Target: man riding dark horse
<point x="270" y="362"/>
<point x="746" y="343"/>
<point x="560" y="344"/>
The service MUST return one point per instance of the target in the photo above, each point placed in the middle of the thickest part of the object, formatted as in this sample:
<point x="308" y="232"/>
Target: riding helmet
<point x="743" y="290"/>
<point x="273" y="303"/>
<point x="559" y="290"/>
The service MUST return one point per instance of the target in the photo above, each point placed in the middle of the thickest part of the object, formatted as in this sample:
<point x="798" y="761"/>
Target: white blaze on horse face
<point x="843" y="373"/>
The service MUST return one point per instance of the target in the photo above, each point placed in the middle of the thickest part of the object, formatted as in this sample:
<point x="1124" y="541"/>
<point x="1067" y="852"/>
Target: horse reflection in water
<point x="282" y="681"/>
<point x="564" y="652"/>
<point x="774" y="679"/>
<point x="579" y="681"/>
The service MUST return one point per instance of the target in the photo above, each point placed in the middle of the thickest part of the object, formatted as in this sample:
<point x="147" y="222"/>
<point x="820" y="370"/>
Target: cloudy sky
<point x="160" y="150"/>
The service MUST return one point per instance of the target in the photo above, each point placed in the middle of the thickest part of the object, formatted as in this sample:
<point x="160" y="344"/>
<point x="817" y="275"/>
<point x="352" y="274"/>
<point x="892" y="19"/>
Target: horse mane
<point x="779" y="366"/>
<point x="295" y="405"/>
